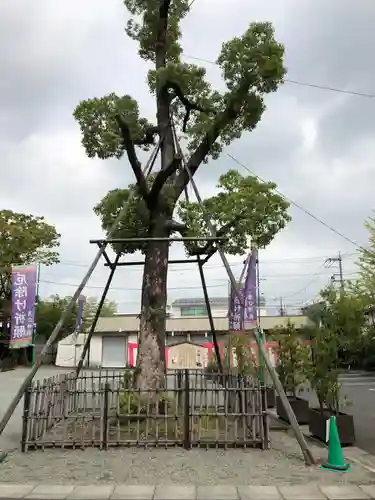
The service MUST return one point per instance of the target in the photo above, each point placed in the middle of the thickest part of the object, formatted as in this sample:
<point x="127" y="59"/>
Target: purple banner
<point x="81" y="305"/>
<point x="235" y="311"/>
<point x="250" y="292"/>
<point x="24" y="289"/>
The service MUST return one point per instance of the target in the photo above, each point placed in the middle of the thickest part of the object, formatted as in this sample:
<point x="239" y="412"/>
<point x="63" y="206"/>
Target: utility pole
<point x="341" y="273"/>
<point x="282" y="312"/>
<point x="331" y="261"/>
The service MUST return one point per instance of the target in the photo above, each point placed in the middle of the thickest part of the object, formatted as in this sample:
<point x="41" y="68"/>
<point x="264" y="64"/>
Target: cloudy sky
<point x="315" y="143"/>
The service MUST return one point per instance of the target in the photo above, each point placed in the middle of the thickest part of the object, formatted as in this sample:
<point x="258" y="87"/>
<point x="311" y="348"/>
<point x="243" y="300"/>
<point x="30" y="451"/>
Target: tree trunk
<point x="151" y="344"/>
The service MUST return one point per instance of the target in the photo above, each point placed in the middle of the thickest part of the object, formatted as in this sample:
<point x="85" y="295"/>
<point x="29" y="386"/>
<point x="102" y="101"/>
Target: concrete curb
<point x="186" y="492"/>
<point x="272" y="413"/>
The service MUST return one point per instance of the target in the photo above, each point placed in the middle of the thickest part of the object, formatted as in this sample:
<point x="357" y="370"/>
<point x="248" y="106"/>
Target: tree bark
<point x="151" y="344"/>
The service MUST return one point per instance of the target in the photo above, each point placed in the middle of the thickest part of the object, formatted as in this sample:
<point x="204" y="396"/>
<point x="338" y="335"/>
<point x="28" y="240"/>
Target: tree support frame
<point x="102" y="244"/>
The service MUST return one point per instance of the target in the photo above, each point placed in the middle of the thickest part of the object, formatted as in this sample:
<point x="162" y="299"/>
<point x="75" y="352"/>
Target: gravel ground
<point x="280" y="465"/>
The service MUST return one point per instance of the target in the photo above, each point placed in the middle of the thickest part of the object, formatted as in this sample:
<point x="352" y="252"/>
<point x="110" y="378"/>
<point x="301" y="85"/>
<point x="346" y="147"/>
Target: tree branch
<point x="230" y="113"/>
<point x="210" y="246"/>
<point x="173" y="225"/>
<point x="149" y="137"/>
<point x="161" y="178"/>
<point x="133" y="158"/>
<point x="2" y="286"/>
<point x="161" y="37"/>
<point x="189" y="105"/>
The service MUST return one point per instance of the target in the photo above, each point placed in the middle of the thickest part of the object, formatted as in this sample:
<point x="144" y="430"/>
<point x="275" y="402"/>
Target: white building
<point x="193" y="307"/>
<point x="114" y="343"/>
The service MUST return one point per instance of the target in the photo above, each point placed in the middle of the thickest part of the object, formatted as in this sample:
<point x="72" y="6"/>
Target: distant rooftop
<point x="214" y="301"/>
<point x="197" y="301"/>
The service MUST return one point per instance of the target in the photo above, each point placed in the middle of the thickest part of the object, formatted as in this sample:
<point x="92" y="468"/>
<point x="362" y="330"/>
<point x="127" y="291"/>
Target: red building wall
<point x="132" y="350"/>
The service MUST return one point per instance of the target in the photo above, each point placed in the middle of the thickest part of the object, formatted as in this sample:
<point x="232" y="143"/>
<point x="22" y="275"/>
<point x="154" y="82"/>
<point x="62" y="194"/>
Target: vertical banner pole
<point x="33" y="352"/>
<point x="230" y="325"/>
<point x="236" y="313"/>
<point x="261" y="336"/>
<point x="250" y="297"/>
<point x="78" y="325"/>
<point x="229" y="353"/>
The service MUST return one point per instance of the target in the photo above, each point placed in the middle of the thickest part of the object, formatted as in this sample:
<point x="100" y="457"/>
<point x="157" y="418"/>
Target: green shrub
<point x="293" y="364"/>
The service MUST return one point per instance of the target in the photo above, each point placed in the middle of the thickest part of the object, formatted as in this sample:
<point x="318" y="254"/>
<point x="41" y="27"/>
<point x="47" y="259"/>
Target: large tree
<point x="252" y="66"/>
<point x="24" y="239"/>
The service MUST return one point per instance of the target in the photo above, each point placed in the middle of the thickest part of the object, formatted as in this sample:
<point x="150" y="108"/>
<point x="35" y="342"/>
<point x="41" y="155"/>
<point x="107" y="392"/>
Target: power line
<point x="133" y="289"/>
<point x="302" y="275"/>
<point x="289" y="260"/>
<point x="297" y="205"/>
<point x="223" y="283"/>
<point x="317" y="277"/>
<point x="297" y="82"/>
<point x="325" y="272"/>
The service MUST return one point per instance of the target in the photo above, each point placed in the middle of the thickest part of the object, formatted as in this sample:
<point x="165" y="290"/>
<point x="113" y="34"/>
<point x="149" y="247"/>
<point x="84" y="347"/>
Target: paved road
<point x="359" y="388"/>
<point x="10" y="382"/>
<point x="360" y="391"/>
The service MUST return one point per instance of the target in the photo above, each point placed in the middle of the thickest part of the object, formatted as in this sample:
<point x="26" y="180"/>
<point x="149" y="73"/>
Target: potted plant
<point x="247" y="365"/>
<point x="324" y="378"/>
<point x="293" y="368"/>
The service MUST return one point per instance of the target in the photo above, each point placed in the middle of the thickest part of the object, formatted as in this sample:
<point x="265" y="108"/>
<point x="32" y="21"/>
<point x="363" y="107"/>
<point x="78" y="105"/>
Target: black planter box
<point x="271" y="397"/>
<point x="345" y="426"/>
<point x="299" y="406"/>
<point x="7" y="364"/>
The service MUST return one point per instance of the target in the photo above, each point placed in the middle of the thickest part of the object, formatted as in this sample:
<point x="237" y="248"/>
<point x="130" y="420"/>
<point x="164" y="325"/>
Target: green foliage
<point x="253" y="207"/>
<point x="208" y="420"/>
<point x="212" y="365"/>
<point x="136" y="223"/>
<point x="91" y="306"/>
<point x="294" y="365"/>
<point x="48" y="313"/>
<point x="138" y="218"/>
<point x="365" y="284"/>
<point x="100" y="132"/>
<point x="144" y="30"/>
<point x="344" y="315"/>
<point x="24" y="239"/>
<point x="337" y="338"/>
<point x="314" y="312"/>
<point x="246" y="364"/>
<point x="252" y="66"/>
<point x="133" y="402"/>
<point x="324" y="374"/>
<point x="259" y="212"/>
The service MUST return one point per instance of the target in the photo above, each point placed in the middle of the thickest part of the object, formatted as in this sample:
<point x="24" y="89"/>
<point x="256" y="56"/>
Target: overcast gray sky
<point x="316" y="144"/>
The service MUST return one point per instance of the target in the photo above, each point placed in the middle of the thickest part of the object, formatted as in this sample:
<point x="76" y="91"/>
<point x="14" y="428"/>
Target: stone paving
<point x="281" y="465"/>
<point x="176" y="474"/>
<point x="186" y="492"/>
